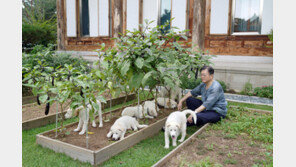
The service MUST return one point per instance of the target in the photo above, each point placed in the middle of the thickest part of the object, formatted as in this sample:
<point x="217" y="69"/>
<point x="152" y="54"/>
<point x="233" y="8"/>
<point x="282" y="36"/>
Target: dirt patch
<point x="33" y="110"/>
<point x="98" y="139"/>
<point x="221" y="148"/>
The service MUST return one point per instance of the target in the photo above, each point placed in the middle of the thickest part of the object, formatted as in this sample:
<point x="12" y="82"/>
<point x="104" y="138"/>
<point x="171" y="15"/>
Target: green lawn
<point x="148" y="151"/>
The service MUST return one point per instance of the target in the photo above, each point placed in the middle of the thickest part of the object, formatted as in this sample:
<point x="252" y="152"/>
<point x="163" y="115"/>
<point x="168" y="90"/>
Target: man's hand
<point x="189" y="119"/>
<point x="180" y="105"/>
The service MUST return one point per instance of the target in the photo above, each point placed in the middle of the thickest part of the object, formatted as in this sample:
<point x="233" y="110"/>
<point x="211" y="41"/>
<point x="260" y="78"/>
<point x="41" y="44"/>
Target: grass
<point x="149" y="151"/>
<point x="256" y="106"/>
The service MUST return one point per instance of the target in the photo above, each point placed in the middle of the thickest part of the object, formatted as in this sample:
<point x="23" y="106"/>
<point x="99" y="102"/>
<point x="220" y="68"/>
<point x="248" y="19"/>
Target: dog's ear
<point x="168" y="125"/>
<point x="178" y="126"/>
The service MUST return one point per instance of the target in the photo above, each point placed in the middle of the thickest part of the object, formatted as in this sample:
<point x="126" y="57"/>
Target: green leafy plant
<point x="46" y="57"/>
<point x="248" y="89"/>
<point x="264" y="91"/>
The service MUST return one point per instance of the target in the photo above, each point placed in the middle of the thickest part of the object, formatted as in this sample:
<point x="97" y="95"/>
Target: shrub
<point x="248" y="89"/>
<point x="264" y="91"/>
<point x="222" y="83"/>
<point x="47" y="57"/>
<point x="189" y="83"/>
<point x="38" y="33"/>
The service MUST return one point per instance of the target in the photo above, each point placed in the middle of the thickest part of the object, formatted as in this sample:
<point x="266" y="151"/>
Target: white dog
<point x="165" y="102"/>
<point x="175" y="123"/>
<point x="149" y="107"/>
<point x="84" y="117"/>
<point x="133" y="111"/>
<point x="122" y="124"/>
<point x="176" y="92"/>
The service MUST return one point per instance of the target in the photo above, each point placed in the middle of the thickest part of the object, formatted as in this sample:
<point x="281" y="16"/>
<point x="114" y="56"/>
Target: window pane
<point x="246" y="17"/>
<point x="85" y="18"/>
<point x="165" y="12"/>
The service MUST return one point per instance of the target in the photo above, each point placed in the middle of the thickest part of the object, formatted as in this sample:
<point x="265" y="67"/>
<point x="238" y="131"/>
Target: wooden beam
<point x="60" y="25"/>
<point x="117" y="17"/>
<point x="140" y="14"/>
<point x="198" y="32"/>
<point x="124" y="8"/>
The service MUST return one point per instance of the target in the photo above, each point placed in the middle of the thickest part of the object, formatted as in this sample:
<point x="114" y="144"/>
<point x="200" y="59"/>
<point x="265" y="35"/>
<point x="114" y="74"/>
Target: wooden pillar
<point x="60" y="25"/>
<point x="117" y="18"/>
<point x="198" y="32"/>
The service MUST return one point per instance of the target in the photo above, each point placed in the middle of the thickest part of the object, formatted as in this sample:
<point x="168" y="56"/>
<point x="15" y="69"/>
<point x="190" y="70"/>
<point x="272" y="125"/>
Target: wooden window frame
<point x="232" y="10"/>
<point x="78" y="28"/>
<point x="141" y="19"/>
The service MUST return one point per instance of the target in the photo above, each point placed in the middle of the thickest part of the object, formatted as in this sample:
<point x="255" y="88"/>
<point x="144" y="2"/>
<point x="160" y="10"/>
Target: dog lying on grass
<point x="176" y="92"/>
<point x="166" y="102"/>
<point x="118" y="129"/>
<point x="84" y="117"/>
<point x="176" y="123"/>
<point x="149" y="107"/>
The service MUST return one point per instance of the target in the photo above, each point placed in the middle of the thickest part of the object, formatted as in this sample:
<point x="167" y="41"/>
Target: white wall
<point x="132" y="14"/>
<point x="93" y="18"/>
<point x="103" y="18"/>
<point x="150" y="11"/>
<point x="219" y="16"/>
<point x="179" y="14"/>
<point x="71" y="18"/>
<point x="267" y="17"/>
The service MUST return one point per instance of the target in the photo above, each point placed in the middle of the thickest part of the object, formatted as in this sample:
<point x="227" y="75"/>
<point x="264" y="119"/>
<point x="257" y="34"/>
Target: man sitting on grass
<point x="213" y="104"/>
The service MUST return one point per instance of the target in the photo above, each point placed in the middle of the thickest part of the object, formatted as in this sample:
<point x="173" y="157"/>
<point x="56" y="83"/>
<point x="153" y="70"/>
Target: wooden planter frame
<point x="165" y="159"/>
<point x="41" y="121"/>
<point x="101" y="155"/>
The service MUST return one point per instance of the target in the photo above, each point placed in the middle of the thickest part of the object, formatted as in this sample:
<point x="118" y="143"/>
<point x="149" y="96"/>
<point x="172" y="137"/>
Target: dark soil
<point x="99" y="139"/>
<point x="227" y="151"/>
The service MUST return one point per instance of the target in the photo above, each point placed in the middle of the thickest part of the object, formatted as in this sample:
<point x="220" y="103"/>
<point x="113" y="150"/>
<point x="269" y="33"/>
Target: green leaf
<point x="43" y="98"/>
<point x="147" y="75"/>
<point x="105" y="64"/>
<point x="136" y="80"/>
<point x="139" y="62"/>
<point x="101" y="99"/>
<point x="30" y="85"/>
<point x="125" y="67"/>
<point x="149" y="51"/>
<point x="184" y="37"/>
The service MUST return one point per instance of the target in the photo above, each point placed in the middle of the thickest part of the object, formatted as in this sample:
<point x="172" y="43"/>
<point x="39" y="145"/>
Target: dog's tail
<point x="192" y="113"/>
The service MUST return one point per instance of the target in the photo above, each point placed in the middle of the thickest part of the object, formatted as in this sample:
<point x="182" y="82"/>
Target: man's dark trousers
<point x="206" y="116"/>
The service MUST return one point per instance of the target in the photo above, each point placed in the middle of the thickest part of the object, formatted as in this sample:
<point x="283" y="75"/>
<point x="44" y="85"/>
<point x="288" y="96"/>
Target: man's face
<point x="205" y="76"/>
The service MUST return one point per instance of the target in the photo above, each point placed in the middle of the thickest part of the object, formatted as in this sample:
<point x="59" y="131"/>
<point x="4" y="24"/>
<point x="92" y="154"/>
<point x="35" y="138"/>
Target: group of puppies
<point x="175" y="123"/>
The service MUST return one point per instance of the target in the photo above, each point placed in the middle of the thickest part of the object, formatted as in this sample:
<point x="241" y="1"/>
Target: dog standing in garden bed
<point x="175" y="123"/>
<point x="122" y="124"/>
<point x="84" y="117"/>
<point x="176" y="92"/>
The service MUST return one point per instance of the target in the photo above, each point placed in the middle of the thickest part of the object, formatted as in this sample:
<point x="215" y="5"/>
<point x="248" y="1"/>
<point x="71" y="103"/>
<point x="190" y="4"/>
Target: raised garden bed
<point x="100" y="147"/>
<point x="33" y="114"/>
<point x="215" y="147"/>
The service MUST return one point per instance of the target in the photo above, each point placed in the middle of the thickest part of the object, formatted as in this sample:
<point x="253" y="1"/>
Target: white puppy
<point x="175" y="123"/>
<point x="84" y="117"/>
<point x="149" y="107"/>
<point x="122" y="124"/>
<point x="133" y="111"/>
<point x="165" y="102"/>
<point x="176" y="92"/>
